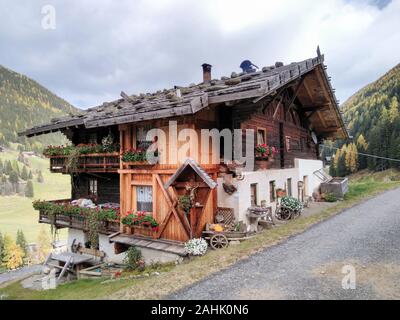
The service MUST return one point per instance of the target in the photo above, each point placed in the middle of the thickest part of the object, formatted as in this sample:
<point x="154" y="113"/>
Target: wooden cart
<point x="219" y="240"/>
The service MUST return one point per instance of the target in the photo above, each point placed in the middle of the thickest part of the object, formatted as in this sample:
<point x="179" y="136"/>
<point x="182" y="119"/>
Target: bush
<point x="133" y="259"/>
<point x="330" y="197"/>
<point x="291" y="203"/>
<point x="196" y="247"/>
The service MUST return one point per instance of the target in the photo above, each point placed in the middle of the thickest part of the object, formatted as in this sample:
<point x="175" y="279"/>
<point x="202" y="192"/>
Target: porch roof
<point x="196" y="168"/>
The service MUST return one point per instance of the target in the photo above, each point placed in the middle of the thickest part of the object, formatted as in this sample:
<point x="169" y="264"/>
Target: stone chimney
<point x="206" y="72"/>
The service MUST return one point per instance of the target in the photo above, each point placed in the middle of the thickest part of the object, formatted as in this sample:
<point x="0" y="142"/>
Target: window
<point x="272" y="193"/>
<point x="261" y="136"/>
<point x="93" y="138"/>
<point x="141" y="133"/>
<point x="144" y="198"/>
<point x="253" y="194"/>
<point x="93" y="187"/>
<point x="288" y="140"/>
<point x="289" y="187"/>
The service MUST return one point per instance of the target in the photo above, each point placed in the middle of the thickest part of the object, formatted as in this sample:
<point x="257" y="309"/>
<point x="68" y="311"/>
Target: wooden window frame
<point x="95" y="187"/>
<point x="287" y="143"/>
<point x="136" y="142"/>
<point x="135" y="190"/>
<point x="272" y="191"/>
<point x="255" y="185"/>
<point x="264" y="132"/>
<point x="289" y="187"/>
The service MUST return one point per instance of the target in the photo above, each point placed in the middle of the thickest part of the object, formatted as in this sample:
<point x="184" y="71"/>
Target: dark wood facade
<point x="102" y="188"/>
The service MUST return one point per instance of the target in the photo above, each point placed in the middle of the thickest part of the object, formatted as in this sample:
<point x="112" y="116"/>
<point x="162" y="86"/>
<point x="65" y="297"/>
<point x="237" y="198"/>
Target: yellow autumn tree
<point x="362" y="147"/>
<point x="353" y="158"/>
<point x="362" y="143"/>
<point x="44" y="245"/>
<point x="13" y="255"/>
<point x="336" y="159"/>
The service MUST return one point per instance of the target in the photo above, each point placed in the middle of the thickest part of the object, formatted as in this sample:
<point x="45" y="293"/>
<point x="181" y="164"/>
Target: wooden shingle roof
<point x="189" y="100"/>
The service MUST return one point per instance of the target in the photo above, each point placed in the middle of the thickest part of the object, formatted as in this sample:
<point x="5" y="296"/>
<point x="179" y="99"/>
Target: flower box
<point x="141" y="231"/>
<point x="144" y="231"/>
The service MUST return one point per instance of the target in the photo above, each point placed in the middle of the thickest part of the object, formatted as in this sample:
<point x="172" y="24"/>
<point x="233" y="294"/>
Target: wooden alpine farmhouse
<point x="290" y="108"/>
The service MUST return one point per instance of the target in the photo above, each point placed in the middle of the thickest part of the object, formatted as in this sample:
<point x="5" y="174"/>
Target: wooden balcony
<point x="77" y="222"/>
<point x="99" y="162"/>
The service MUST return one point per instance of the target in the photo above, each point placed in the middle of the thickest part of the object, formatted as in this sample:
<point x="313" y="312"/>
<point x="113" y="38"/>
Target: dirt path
<point x="310" y="265"/>
<point x="19" y="274"/>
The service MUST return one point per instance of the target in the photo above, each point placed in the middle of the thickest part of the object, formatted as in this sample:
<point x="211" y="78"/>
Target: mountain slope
<point x="25" y="103"/>
<point x="374" y="112"/>
<point x="363" y="110"/>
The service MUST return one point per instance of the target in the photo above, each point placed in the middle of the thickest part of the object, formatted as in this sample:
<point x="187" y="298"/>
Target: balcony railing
<point x="98" y="162"/>
<point x="79" y="222"/>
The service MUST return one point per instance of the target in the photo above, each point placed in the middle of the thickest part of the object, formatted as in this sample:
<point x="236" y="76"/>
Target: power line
<point x="366" y="154"/>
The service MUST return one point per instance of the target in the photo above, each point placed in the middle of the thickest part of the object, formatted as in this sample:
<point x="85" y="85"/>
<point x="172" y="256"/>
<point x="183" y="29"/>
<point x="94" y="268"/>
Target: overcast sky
<point x="101" y="47"/>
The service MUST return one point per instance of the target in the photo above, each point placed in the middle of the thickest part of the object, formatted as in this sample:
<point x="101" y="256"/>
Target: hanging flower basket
<point x="265" y="152"/>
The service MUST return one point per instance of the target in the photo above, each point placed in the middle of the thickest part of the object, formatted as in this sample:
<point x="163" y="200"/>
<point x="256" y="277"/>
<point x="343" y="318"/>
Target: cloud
<point x="102" y="47"/>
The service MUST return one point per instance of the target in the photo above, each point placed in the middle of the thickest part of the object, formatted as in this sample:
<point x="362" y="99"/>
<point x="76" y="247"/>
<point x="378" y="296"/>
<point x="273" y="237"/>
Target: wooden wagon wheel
<point x="219" y="241"/>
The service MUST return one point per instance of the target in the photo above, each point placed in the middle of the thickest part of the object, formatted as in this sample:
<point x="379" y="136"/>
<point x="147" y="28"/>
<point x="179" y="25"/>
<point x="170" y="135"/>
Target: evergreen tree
<point x="336" y="161"/>
<point x="394" y="110"/>
<point x="21" y="242"/>
<point x="30" y="175"/>
<point x="341" y="169"/>
<point x="8" y="167"/>
<point x="13" y="254"/>
<point x="13" y="178"/>
<point x="24" y="173"/>
<point x="40" y="178"/>
<point x="1" y="166"/>
<point x="332" y="169"/>
<point x="21" y="158"/>
<point x="15" y="167"/>
<point x="29" y="190"/>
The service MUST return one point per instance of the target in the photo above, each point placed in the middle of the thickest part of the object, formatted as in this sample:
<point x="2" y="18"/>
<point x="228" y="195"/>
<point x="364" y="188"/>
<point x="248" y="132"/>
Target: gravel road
<point x="19" y="274"/>
<point x="310" y="265"/>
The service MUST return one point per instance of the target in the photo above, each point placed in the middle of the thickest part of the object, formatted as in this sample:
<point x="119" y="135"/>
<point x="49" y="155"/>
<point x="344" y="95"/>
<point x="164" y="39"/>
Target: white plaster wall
<point x="108" y="248"/>
<point x="79" y="235"/>
<point x="307" y="168"/>
<point x="240" y="200"/>
<point x="149" y="255"/>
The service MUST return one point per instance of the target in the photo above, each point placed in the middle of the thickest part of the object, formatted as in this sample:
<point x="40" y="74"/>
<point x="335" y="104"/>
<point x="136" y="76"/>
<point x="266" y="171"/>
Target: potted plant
<point x="265" y="152"/>
<point x="280" y="193"/>
<point x="185" y="203"/>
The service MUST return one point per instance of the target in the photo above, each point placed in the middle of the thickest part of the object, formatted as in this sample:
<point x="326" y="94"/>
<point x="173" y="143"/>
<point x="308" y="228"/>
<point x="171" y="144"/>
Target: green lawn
<point x="176" y="278"/>
<point x="85" y="289"/>
<point x="17" y="213"/>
